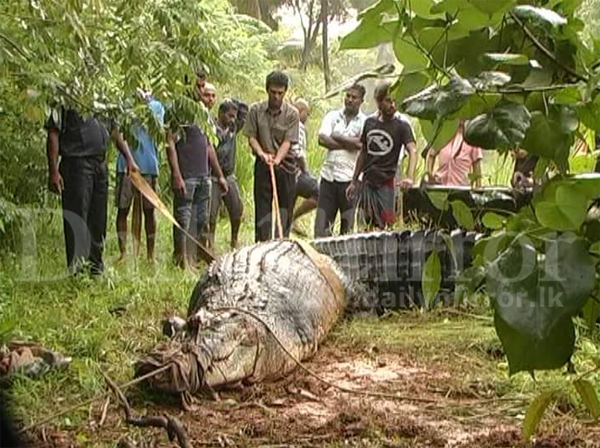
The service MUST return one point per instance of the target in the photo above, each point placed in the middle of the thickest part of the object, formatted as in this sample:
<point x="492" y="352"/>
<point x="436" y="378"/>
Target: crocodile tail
<point x="386" y="268"/>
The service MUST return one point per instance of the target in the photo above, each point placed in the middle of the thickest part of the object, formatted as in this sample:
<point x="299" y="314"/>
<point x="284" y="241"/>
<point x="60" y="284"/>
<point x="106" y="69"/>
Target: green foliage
<point x="94" y="55"/>
<point x="542" y="96"/>
<point x="535" y="48"/>
<point x="462" y="214"/>
<point x="534" y="301"/>
<point x="589" y="397"/>
<point x="535" y="412"/>
<point x="432" y="278"/>
<point x="502" y="128"/>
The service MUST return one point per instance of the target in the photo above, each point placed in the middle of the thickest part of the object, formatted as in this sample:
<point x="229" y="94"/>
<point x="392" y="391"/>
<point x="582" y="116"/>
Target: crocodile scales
<point x="299" y="290"/>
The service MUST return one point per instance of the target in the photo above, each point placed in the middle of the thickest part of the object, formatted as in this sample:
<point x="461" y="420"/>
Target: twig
<point x="461" y="313"/>
<point x="104" y="411"/>
<point x="172" y="425"/>
<point x="545" y="51"/>
<point x="91" y="400"/>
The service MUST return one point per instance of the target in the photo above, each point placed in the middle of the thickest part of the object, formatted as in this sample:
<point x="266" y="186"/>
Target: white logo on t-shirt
<point x="379" y="142"/>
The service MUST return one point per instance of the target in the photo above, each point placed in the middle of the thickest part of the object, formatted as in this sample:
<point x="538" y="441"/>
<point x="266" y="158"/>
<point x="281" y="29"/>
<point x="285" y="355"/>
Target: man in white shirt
<point x="340" y="133"/>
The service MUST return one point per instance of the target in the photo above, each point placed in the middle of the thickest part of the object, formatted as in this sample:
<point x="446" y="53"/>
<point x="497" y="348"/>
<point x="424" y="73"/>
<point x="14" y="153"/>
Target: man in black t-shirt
<point x="81" y="178"/>
<point x="228" y="125"/>
<point x="383" y="139"/>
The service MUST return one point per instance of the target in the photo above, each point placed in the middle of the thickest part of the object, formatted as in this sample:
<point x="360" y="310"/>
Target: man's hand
<point x="266" y="157"/>
<point x="224" y="185"/>
<point x="55" y="183"/>
<point x="352" y="190"/>
<point x="179" y="185"/>
<point x="405" y="184"/>
<point x="132" y="167"/>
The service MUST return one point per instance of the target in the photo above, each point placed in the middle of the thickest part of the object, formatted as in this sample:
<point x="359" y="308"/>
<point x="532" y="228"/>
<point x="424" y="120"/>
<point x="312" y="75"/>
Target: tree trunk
<point x="311" y="31"/>
<point x="325" y="44"/>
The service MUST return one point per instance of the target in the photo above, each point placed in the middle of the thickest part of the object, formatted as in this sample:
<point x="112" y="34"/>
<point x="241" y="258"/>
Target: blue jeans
<point x="191" y="212"/>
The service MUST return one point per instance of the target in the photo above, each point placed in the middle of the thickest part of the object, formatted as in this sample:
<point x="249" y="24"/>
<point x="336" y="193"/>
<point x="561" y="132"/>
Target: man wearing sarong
<point x="382" y="140"/>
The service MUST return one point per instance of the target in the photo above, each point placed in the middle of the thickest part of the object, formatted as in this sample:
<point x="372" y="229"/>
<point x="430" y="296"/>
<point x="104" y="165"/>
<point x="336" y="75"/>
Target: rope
<point x="140" y="183"/>
<point x="313" y="374"/>
<point x="275" y="206"/>
<point x="91" y="400"/>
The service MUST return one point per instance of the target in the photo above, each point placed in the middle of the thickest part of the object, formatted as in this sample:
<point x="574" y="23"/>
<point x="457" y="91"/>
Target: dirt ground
<point x="441" y="401"/>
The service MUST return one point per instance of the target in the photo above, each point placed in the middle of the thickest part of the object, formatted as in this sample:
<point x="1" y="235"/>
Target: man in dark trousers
<point x="190" y="153"/>
<point x="382" y="139"/>
<point x="227" y="127"/>
<point x="81" y="141"/>
<point x="340" y="135"/>
<point x="272" y="127"/>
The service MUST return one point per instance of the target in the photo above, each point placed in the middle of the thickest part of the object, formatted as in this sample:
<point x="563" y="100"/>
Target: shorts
<point x="307" y="186"/>
<point x="125" y="190"/>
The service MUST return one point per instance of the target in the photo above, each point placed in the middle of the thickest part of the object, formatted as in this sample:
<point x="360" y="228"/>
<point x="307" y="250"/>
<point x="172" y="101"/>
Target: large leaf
<point x="535" y="300"/>
<point x="439" y="199"/>
<point x="546" y="138"/>
<point x="539" y="16"/>
<point x="423" y="8"/>
<point x="589" y="396"/>
<point x="439" y="133"/>
<point x="463" y="215"/>
<point x="488" y="79"/>
<point x="493" y="6"/>
<point x="535" y="412"/>
<point x="439" y="101"/>
<point x="503" y="127"/>
<point x="409" y="55"/>
<point x="431" y="278"/>
<point x="368" y="34"/>
<point x="375" y="11"/>
<point x="493" y="220"/>
<point x="563" y="204"/>
<point x="468" y="13"/>
<point x="408" y="85"/>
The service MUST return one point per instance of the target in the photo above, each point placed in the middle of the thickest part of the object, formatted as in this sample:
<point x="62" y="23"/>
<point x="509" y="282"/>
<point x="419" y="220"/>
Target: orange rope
<point x="275" y="206"/>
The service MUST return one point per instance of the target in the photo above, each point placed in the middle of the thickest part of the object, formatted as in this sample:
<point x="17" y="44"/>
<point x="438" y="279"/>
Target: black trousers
<point x="84" y="204"/>
<point x="332" y="198"/>
<point x="263" y="196"/>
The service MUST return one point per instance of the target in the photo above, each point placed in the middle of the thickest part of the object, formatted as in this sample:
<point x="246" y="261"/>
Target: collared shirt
<point x="272" y="129"/>
<point x="339" y="163"/>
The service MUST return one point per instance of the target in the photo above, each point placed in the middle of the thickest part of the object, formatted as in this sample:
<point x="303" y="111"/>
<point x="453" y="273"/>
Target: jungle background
<point x="95" y="54"/>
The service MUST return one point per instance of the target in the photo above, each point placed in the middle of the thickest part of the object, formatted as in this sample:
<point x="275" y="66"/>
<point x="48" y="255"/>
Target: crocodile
<point x="295" y="291"/>
<point x="282" y="286"/>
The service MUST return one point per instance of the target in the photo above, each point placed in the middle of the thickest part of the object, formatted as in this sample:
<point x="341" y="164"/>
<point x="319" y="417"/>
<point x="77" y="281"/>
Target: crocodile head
<point x="225" y="350"/>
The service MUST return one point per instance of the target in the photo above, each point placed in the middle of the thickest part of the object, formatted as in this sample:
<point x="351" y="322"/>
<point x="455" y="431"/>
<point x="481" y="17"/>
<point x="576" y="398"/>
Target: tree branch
<point x="545" y="51"/>
<point x="172" y="425"/>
